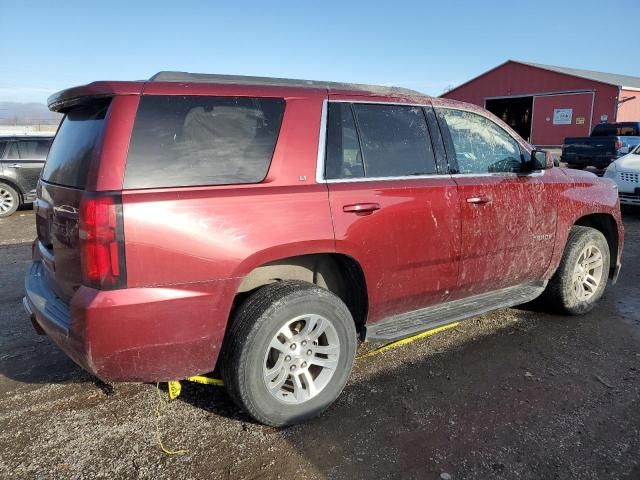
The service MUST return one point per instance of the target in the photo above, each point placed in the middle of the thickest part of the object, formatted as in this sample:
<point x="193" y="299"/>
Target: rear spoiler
<point x="65" y="99"/>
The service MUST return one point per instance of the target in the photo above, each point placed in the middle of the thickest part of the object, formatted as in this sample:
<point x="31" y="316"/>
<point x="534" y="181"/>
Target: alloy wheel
<point x="6" y="200"/>
<point x="587" y="273"/>
<point x="301" y="359"/>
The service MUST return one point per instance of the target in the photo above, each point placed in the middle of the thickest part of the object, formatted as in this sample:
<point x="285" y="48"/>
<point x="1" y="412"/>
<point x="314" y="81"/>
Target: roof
<point x="185" y="77"/>
<point x="610" y="78"/>
<point x="622" y="81"/>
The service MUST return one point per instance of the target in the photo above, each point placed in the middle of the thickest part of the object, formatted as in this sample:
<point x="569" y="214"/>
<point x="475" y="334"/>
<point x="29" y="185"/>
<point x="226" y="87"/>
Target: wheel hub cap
<point x="301" y="359"/>
<point x="587" y="273"/>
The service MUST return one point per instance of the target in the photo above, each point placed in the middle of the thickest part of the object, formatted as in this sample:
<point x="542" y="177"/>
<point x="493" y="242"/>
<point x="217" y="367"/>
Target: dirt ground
<point x="512" y="394"/>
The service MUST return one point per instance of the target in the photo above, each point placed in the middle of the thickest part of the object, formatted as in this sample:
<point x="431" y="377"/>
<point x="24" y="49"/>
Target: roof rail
<point x="169" y="76"/>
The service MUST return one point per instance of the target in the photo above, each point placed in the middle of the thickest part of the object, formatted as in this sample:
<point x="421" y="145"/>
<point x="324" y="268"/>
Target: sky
<point x="427" y="46"/>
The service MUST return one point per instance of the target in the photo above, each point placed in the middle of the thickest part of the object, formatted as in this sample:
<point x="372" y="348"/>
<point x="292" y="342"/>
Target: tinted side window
<point x="12" y="152"/>
<point x="480" y="145"/>
<point x="189" y="140"/>
<point x="395" y="140"/>
<point x="29" y="149"/>
<point x="344" y="158"/>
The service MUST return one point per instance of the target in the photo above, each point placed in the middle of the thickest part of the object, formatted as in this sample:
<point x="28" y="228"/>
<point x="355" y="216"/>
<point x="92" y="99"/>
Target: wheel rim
<point x="301" y="359"/>
<point x="587" y="273"/>
<point x="6" y="200"/>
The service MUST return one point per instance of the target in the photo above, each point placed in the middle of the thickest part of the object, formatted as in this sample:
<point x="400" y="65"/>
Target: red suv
<point x="261" y="226"/>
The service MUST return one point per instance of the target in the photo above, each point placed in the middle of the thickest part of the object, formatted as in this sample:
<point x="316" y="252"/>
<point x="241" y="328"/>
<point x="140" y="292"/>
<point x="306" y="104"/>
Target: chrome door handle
<point x="361" y="208"/>
<point x="479" y="200"/>
<point x="15" y="165"/>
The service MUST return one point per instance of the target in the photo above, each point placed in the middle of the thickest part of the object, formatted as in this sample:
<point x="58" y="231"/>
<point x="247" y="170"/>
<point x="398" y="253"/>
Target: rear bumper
<point x="584" y="161"/>
<point x="135" y="334"/>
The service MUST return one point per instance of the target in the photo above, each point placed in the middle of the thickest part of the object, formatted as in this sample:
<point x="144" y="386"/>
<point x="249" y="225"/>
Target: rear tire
<point x="289" y="352"/>
<point x="582" y="276"/>
<point x="9" y="200"/>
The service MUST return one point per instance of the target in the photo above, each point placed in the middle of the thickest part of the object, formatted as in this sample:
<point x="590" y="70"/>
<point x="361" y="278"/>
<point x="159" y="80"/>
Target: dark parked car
<point x="261" y="226"/>
<point x="21" y="160"/>
<point x="607" y="143"/>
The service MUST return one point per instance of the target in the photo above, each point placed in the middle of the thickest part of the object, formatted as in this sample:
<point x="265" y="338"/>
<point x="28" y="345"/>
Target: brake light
<point x="618" y="145"/>
<point x="102" y="242"/>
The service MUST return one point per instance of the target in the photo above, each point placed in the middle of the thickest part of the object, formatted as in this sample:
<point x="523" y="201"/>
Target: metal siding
<point x="544" y="132"/>
<point x="514" y="79"/>
<point x="629" y="111"/>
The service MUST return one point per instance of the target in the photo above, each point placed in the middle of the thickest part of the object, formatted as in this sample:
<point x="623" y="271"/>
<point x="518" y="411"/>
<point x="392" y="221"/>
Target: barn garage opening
<point x="515" y="112"/>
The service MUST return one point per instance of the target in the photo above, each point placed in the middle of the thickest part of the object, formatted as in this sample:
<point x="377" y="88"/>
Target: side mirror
<point x="541" y="160"/>
<point x="624" y="150"/>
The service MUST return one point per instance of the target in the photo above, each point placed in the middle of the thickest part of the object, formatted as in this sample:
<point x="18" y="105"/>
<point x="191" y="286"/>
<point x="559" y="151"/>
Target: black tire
<point x="560" y="294"/>
<point x="9" y="200"/>
<point x="577" y="167"/>
<point x="256" y="323"/>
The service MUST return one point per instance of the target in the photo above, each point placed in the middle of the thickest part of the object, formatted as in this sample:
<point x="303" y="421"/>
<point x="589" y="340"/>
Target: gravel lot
<point x="512" y="394"/>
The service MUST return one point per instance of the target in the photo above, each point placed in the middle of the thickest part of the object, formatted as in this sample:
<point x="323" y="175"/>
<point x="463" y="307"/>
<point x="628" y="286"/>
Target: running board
<point x="406" y="324"/>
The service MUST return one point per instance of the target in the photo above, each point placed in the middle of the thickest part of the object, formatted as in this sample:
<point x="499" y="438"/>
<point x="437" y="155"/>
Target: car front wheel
<point x="289" y="352"/>
<point x="582" y="276"/>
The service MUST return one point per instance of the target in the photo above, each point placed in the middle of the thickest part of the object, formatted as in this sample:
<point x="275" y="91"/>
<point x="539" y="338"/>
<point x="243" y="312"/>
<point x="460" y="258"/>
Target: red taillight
<point x="618" y="145"/>
<point x="102" y="242"/>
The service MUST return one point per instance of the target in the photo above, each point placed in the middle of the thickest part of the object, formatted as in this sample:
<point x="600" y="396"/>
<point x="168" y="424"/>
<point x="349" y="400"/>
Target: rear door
<point x="24" y="159"/>
<point x="508" y="220"/>
<point x="392" y="208"/>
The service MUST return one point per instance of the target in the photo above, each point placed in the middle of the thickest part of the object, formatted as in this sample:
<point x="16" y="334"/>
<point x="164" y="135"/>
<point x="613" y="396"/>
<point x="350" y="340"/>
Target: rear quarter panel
<point x="203" y="241"/>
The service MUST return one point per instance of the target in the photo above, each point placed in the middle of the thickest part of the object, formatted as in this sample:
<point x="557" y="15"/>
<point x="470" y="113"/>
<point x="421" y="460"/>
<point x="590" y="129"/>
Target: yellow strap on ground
<point x="404" y="341"/>
<point x="162" y="447"/>
<point x="174" y="389"/>
<point x="206" y="380"/>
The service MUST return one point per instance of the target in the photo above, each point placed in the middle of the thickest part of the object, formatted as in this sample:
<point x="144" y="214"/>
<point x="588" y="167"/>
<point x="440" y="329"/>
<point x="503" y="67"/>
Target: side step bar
<point x="406" y="324"/>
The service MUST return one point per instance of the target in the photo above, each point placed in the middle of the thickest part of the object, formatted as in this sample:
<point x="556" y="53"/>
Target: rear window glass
<point x="615" y="129"/>
<point x="77" y="140"/>
<point x="192" y="140"/>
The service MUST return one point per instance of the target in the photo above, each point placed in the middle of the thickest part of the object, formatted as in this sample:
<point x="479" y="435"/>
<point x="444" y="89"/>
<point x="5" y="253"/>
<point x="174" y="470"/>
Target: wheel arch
<point x="338" y="273"/>
<point x="606" y="224"/>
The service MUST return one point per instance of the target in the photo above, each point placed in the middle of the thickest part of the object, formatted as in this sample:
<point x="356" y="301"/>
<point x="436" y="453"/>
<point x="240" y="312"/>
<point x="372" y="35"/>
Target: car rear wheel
<point x="289" y="352"/>
<point x="9" y="200"/>
<point x="582" y="276"/>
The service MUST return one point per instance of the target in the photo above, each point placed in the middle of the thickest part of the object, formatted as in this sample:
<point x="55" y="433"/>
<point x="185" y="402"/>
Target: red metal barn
<point x="545" y="104"/>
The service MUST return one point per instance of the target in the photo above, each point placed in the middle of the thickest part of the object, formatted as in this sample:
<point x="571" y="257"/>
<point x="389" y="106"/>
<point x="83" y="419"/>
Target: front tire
<point x="582" y="276"/>
<point x="289" y="352"/>
<point x="9" y="200"/>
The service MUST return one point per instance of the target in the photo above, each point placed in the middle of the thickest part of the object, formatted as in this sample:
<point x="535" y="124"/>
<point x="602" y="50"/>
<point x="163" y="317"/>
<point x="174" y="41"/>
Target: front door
<point x="392" y="210"/>
<point x="508" y="222"/>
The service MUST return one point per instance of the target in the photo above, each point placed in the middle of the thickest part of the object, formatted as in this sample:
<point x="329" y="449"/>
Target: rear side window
<point x="28" y="150"/>
<point x="377" y="141"/>
<point x="395" y="140"/>
<point x="344" y="158"/>
<point x="77" y="141"/>
<point x="192" y="140"/>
